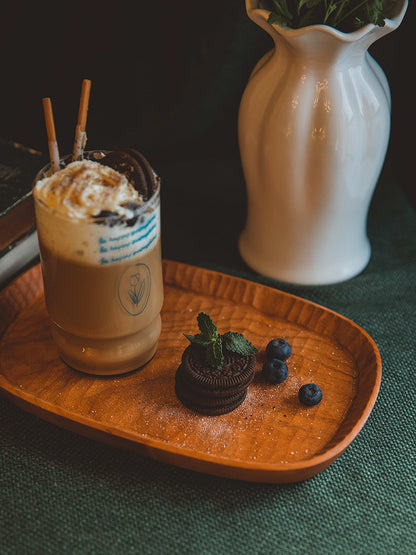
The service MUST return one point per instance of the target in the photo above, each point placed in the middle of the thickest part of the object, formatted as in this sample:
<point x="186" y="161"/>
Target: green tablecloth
<point x="62" y="493"/>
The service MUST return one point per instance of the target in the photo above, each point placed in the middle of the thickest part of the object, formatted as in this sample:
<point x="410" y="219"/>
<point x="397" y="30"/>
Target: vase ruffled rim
<point x="260" y="16"/>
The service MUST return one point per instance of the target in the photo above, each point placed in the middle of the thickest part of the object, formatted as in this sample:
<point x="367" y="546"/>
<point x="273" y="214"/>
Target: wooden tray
<point x="271" y="437"/>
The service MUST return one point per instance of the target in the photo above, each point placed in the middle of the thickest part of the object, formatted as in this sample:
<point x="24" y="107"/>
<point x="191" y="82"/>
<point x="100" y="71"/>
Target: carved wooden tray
<point x="271" y="437"/>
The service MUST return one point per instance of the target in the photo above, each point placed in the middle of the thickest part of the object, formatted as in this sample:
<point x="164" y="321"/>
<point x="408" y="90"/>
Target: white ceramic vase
<point x="314" y="125"/>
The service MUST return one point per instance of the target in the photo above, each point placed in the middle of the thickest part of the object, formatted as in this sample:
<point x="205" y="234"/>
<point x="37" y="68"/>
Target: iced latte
<point x="98" y="223"/>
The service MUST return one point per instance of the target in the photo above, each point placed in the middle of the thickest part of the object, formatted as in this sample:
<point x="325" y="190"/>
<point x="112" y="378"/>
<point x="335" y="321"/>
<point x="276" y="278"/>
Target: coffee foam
<point x="67" y="204"/>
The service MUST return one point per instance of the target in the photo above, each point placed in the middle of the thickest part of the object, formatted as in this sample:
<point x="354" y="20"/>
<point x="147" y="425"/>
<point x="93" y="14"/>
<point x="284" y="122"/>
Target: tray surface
<point x="271" y="437"/>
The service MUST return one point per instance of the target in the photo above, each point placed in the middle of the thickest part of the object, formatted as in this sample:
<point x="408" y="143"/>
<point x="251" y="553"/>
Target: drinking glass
<point x="103" y="284"/>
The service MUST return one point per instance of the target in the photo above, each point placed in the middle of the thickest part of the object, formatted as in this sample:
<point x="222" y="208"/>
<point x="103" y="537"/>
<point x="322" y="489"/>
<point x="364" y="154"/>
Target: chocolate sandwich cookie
<point x="197" y="389"/>
<point x="210" y="390"/>
<point x="236" y="370"/>
<point x="152" y="179"/>
<point x="206" y="396"/>
<point x="135" y="167"/>
<point x="209" y="407"/>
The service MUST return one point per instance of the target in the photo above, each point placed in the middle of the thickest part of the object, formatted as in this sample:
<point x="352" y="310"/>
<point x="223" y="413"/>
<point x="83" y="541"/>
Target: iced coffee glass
<point x="103" y="282"/>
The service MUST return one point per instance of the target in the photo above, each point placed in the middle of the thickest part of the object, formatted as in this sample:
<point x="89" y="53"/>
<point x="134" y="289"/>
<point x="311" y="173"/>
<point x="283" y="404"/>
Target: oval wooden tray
<point x="271" y="437"/>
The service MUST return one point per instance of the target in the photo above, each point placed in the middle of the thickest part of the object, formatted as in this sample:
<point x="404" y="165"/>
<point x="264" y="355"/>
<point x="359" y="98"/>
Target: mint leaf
<point x="237" y="343"/>
<point x="214" y="355"/>
<point x="198" y="339"/>
<point x="207" y="326"/>
<point x="208" y="331"/>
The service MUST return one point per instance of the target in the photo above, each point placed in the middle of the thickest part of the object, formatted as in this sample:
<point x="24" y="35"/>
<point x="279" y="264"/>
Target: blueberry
<point x="310" y="394"/>
<point x="278" y="348"/>
<point x="275" y="371"/>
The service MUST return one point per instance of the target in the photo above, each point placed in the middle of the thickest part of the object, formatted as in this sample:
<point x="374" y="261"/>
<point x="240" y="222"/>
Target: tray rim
<point x="47" y="411"/>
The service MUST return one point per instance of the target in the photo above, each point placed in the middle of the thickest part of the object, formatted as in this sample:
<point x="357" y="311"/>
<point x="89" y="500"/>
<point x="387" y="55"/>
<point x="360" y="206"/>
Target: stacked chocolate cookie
<point x="136" y="168"/>
<point x="210" y="390"/>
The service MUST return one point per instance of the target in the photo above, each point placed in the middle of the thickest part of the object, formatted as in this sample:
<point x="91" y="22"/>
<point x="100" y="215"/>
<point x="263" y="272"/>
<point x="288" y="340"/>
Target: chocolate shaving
<point x="107" y="217"/>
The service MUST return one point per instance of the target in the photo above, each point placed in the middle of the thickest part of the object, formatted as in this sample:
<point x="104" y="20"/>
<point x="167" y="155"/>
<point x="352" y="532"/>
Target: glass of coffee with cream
<point x="98" y="223"/>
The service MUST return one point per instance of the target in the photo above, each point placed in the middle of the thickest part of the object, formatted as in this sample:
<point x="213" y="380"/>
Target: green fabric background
<point x="62" y="493"/>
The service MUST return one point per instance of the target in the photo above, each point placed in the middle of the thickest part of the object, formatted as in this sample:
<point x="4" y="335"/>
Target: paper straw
<point x="80" y="134"/>
<point x="50" y="129"/>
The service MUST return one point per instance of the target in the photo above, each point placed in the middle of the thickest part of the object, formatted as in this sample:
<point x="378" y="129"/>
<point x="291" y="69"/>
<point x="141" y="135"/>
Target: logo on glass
<point x="134" y="288"/>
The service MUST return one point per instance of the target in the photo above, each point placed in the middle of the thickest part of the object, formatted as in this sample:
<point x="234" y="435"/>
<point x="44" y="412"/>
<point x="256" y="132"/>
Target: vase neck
<point x="321" y="48"/>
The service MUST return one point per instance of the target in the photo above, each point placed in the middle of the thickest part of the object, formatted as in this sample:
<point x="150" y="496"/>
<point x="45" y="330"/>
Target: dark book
<point x="18" y="242"/>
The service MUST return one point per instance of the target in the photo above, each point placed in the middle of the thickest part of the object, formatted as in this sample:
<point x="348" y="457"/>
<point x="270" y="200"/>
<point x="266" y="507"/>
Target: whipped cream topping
<point x="84" y="189"/>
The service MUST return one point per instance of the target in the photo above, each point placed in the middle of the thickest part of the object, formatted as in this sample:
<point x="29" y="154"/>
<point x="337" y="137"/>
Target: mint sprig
<point x="209" y="339"/>
<point x="213" y="343"/>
